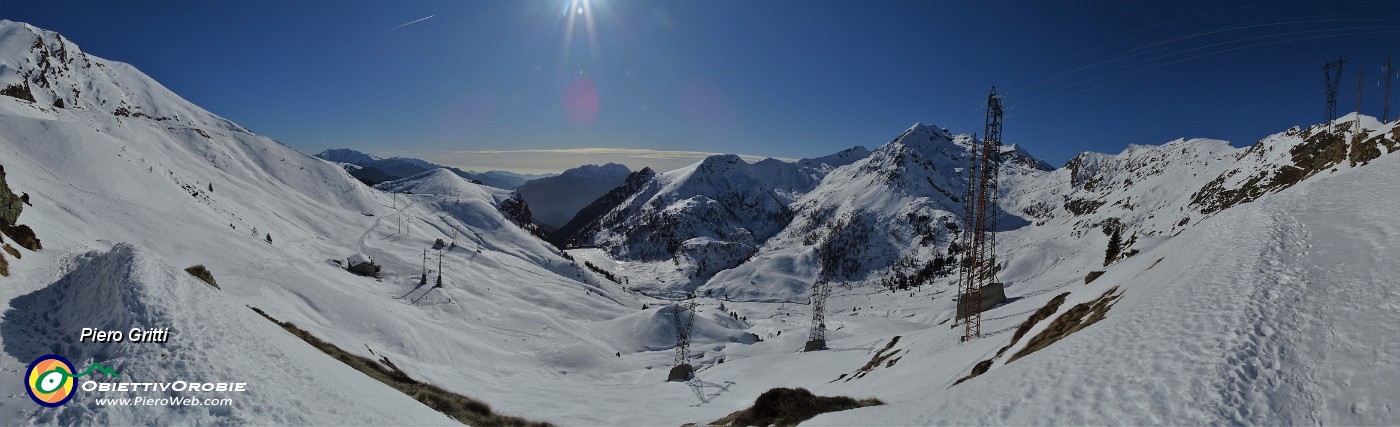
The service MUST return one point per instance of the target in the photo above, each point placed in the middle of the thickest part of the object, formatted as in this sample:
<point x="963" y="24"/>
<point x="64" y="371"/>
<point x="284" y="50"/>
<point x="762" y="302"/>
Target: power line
<point x="1385" y="114"/>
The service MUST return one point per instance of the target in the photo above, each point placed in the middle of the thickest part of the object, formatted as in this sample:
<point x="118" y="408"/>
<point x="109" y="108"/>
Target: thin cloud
<point x="425" y="18"/>
<point x="636" y="153"/>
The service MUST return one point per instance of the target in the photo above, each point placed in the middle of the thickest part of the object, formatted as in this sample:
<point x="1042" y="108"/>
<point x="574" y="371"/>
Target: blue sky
<point x="510" y="85"/>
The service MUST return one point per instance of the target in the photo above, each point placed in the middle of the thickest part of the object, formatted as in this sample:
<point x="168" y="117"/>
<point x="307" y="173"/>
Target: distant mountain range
<point x="371" y="169"/>
<point x="556" y="199"/>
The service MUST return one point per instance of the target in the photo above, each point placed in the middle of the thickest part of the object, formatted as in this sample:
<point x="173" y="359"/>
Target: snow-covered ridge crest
<point x="53" y="73"/>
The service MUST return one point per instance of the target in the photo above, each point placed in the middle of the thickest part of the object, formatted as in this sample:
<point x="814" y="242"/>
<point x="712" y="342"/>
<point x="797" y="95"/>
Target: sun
<point x="575" y="11"/>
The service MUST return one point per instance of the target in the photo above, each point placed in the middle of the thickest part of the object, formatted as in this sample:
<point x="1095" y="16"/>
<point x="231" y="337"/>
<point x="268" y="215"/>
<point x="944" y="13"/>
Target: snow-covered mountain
<point x="52" y="73"/>
<point x="1256" y="287"/>
<point x="890" y="214"/>
<point x="685" y="225"/>
<point x="348" y="156"/>
<point x="372" y="169"/>
<point x="791" y="180"/>
<point x="557" y="199"/>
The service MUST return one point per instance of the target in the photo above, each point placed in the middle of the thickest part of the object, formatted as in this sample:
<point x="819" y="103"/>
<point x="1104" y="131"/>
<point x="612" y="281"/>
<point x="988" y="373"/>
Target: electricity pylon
<point x="978" y="266"/>
<point x="816" y="337"/>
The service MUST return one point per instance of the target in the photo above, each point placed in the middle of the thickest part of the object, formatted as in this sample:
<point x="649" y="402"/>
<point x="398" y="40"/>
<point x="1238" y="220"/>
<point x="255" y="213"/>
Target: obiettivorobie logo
<point x="51" y="382"/>
<point x="50" y="379"/>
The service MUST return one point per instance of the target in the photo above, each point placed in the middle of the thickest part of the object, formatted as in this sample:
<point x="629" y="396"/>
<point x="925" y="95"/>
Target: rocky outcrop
<point x="10" y="207"/>
<point x="515" y="209"/>
<point x="18" y="91"/>
<point x="10" y="204"/>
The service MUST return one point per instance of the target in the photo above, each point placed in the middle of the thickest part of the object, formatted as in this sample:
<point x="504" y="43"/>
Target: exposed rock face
<point x="19" y="92"/>
<point x="515" y="209"/>
<point x="10" y="204"/>
<point x="10" y="208"/>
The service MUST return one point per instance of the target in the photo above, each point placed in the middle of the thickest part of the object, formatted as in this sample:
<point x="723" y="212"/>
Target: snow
<point x="215" y="340"/>
<point x="1266" y="314"/>
<point x="655" y="329"/>
<point x="1276" y="311"/>
<point x="357" y="259"/>
<point x="348" y="156"/>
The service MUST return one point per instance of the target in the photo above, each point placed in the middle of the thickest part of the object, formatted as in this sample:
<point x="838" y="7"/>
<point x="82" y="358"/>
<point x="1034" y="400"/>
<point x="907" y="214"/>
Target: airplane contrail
<point x="425" y="18"/>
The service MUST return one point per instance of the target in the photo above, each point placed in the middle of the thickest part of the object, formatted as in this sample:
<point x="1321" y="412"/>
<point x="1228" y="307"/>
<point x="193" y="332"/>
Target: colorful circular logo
<point x="50" y="380"/>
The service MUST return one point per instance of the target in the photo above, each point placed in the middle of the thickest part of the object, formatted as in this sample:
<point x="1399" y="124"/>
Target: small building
<point x="992" y="294"/>
<point x="361" y="264"/>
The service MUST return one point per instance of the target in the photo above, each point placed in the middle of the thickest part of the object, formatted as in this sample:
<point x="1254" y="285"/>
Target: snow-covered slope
<point x="267" y="222"/>
<point x="444" y="183"/>
<point x="557" y="199"/>
<point x="1268" y="313"/>
<point x="215" y="340"/>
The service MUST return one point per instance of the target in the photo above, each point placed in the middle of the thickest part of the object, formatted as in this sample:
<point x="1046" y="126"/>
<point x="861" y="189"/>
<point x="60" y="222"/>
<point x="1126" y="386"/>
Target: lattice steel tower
<point x="978" y="266"/>
<point x="1360" y="84"/>
<point x="1334" y="81"/>
<point x="682" y="370"/>
<point x="816" y="337"/>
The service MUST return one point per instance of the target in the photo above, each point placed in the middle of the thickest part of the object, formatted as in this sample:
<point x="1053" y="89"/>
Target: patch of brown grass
<point x="790" y="406"/>
<point x="1021" y="331"/>
<point x="1073" y="320"/>
<point x="22" y="235"/>
<point x="12" y="251"/>
<point x="1041" y="314"/>
<point x="461" y="408"/>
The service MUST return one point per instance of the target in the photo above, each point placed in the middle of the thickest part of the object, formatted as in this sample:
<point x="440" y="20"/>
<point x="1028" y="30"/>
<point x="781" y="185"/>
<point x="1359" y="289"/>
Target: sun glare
<point x="581" y="10"/>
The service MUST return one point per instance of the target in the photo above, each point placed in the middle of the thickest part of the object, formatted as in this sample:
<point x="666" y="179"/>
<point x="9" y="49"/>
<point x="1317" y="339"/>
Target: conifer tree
<point x="1115" y="244"/>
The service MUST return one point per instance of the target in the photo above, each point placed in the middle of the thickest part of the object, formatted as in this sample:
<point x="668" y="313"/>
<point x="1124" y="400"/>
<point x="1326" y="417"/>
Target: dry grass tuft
<point x="1077" y="318"/>
<point x="876" y="360"/>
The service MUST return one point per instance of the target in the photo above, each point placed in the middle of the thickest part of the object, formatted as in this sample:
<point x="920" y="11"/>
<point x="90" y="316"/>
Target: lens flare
<point x="581" y="101"/>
